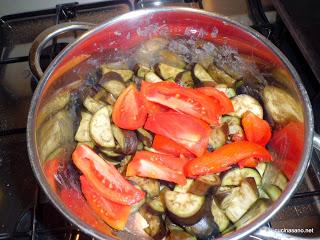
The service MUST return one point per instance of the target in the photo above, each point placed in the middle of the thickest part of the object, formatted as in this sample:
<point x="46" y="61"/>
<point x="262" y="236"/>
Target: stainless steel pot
<point x="51" y="120"/>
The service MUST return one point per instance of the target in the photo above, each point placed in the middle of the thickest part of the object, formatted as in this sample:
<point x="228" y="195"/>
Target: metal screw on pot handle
<point x="44" y="37"/>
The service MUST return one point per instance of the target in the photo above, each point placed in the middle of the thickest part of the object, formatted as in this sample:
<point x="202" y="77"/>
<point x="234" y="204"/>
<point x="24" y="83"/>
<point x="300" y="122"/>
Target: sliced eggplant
<point x="184" y="79"/>
<point x="140" y="146"/>
<point x="203" y="77"/>
<point x="206" y="227"/>
<point x="93" y="105"/>
<point x="219" y="217"/>
<point x="110" y="99"/>
<point x="90" y="144"/>
<point x="235" y="176"/>
<point x="157" y="205"/>
<point x="166" y="71"/>
<point x="123" y="164"/>
<point x="220" y="76"/>
<point x="183" y="188"/>
<point x="157" y="228"/>
<point x="274" y="176"/>
<point x="141" y="70"/>
<point x="115" y="87"/>
<point x="180" y="235"/>
<point x="261" y="167"/>
<point x="171" y="226"/>
<point x="262" y="193"/>
<point x="150" y="186"/>
<point x="110" y="109"/>
<point x="117" y="65"/>
<point x="127" y="139"/>
<point x="218" y="137"/>
<point x="125" y="74"/>
<point x="242" y="199"/>
<point x="135" y="207"/>
<point x="235" y="130"/>
<point x="101" y="95"/>
<point x="230" y="92"/>
<point x="152" y="77"/>
<point x="281" y="106"/>
<point x="243" y="103"/>
<point x="100" y="128"/>
<point x="145" y="137"/>
<point x="259" y="207"/>
<point x="273" y="191"/>
<point x="171" y="58"/>
<point x="205" y="184"/>
<point x="184" y="208"/>
<point x="83" y="133"/>
<point x="109" y="152"/>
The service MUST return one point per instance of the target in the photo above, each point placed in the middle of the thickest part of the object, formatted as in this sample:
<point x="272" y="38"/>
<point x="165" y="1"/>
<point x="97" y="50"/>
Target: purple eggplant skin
<point x="187" y="221"/>
<point x="180" y="235"/>
<point x="206" y="228"/>
<point x="131" y="142"/>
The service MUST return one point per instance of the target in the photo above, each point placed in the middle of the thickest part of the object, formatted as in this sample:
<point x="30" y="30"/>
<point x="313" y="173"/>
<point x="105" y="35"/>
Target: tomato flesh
<point x="190" y="132"/>
<point x="224" y="157"/>
<point x="129" y="111"/>
<point x="157" y="166"/>
<point x="114" y="214"/>
<point x="185" y="100"/>
<point x="105" y="178"/>
<point x="256" y="129"/>
<point x="166" y="145"/>
<point x="224" y="102"/>
<point x="78" y="206"/>
<point x="50" y="169"/>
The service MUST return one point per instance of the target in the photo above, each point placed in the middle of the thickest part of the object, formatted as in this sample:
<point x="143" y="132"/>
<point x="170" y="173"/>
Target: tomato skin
<point x="77" y="204"/>
<point x="185" y="100"/>
<point x="224" y="102"/>
<point x="225" y="156"/>
<point x="129" y="111"/>
<point x="256" y="129"/>
<point x="114" y="214"/>
<point x="190" y="132"/>
<point x="158" y="166"/>
<point x="288" y="144"/>
<point x="50" y="169"/>
<point x="166" y="145"/>
<point x="248" y="162"/>
<point x="105" y="178"/>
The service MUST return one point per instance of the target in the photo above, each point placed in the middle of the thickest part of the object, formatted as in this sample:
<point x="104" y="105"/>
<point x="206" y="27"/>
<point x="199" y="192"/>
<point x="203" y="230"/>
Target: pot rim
<point x="253" y="226"/>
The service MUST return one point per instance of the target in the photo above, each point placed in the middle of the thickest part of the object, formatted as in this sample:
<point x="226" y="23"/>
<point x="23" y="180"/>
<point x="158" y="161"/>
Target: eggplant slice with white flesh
<point x="204" y="185"/>
<point x="93" y="105"/>
<point x="185" y="79"/>
<point x="202" y="76"/>
<point x="127" y="139"/>
<point x="184" y="208"/>
<point x="157" y="228"/>
<point x="126" y="74"/>
<point x="220" y="76"/>
<point x="235" y="176"/>
<point x="100" y="128"/>
<point x="243" y="103"/>
<point x="83" y="133"/>
<point x="150" y="186"/>
<point x="166" y="71"/>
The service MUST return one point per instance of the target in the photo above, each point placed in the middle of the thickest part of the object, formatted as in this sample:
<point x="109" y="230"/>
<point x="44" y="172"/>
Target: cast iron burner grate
<point x="39" y="219"/>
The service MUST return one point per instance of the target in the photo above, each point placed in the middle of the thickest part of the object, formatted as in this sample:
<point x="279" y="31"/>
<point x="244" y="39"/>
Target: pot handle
<point x="316" y="141"/>
<point x="44" y="37"/>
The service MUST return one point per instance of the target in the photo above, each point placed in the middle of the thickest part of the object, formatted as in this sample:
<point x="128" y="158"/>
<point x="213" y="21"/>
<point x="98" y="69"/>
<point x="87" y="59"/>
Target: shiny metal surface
<point x="316" y="141"/>
<point x="45" y="85"/>
<point x="47" y="35"/>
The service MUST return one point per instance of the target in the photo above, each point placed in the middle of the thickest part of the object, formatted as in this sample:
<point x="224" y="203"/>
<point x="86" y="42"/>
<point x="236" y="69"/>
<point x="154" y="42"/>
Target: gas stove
<point x="25" y="211"/>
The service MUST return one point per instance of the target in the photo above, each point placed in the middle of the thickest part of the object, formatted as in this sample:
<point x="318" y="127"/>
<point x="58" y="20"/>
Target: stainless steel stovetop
<point x="25" y="212"/>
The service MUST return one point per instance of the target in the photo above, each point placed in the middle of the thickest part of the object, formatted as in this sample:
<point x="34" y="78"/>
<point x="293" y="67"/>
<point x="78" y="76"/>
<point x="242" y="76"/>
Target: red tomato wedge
<point x="185" y="100"/>
<point x="224" y="102"/>
<point x="129" y="111"/>
<point x="166" y="145"/>
<point x="114" y="214"/>
<point x="50" y="169"/>
<point x="248" y="162"/>
<point x="105" y="178"/>
<point x="151" y="107"/>
<point x="185" y="130"/>
<point x="158" y="166"/>
<point x="225" y="156"/>
<point x="74" y="200"/>
<point x="288" y="144"/>
<point x="256" y="129"/>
